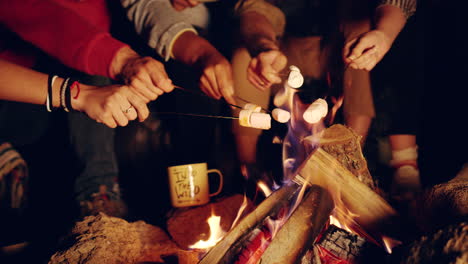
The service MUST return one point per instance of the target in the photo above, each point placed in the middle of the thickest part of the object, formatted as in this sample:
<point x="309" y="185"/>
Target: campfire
<point x="326" y="209"/>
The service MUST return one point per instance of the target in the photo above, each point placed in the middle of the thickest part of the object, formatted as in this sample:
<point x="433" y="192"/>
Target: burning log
<point x="301" y="229"/>
<point x="104" y="239"/>
<point x="181" y="222"/>
<point x="356" y="205"/>
<point x="223" y="252"/>
<point x="344" y="145"/>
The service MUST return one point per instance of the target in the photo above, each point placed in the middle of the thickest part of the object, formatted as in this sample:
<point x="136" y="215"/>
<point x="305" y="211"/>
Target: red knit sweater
<point x="74" y="32"/>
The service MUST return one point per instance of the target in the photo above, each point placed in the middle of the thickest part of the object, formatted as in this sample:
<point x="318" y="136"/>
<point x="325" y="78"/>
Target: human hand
<point x="145" y="75"/>
<point x="111" y="105"/>
<point x="263" y="70"/>
<point x="365" y="51"/>
<point x="216" y="79"/>
<point x="180" y="5"/>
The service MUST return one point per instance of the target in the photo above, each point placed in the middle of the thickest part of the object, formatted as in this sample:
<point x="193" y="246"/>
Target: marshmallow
<point x="281" y="115"/>
<point x="260" y="120"/>
<point x="255" y="108"/>
<point x="316" y="111"/>
<point x="248" y="118"/>
<point x="295" y="78"/>
<point x="244" y="117"/>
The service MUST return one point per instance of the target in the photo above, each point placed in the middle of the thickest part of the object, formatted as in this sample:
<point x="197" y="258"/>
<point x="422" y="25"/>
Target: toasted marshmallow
<point x="281" y="115"/>
<point x="244" y="118"/>
<point x="316" y="111"/>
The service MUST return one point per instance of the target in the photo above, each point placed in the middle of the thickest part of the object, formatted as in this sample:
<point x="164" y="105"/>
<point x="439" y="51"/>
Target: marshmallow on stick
<point x="316" y="111"/>
<point x="248" y="118"/>
<point x="281" y="115"/>
<point x="295" y="78"/>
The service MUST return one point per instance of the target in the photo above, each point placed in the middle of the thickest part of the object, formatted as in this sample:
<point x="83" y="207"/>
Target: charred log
<point x="301" y="229"/>
<point x="279" y="199"/>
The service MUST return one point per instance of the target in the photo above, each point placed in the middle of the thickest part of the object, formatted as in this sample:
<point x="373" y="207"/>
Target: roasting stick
<point x="202" y="94"/>
<point x="190" y="114"/>
<point x="246" y="101"/>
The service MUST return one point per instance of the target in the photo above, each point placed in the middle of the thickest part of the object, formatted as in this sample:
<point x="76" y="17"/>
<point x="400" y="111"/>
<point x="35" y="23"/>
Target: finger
<point x="108" y="120"/>
<point x="127" y="108"/>
<point x="347" y="50"/>
<point x="192" y="3"/>
<point x="365" y="58"/>
<point x="140" y="107"/>
<point x="140" y="88"/>
<point x="147" y="78"/>
<point x="359" y="49"/>
<point x="119" y="117"/>
<point x="210" y="76"/>
<point x="159" y="77"/>
<point x="255" y="80"/>
<point x="205" y="86"/>
<point x="225" y="83"/>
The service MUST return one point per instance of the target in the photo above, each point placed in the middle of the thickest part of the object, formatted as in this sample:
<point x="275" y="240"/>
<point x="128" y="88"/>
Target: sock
<point x="406" y="177"/>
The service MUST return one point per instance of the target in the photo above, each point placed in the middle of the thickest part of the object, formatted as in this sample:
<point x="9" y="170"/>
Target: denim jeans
<point x="93" y="144"/>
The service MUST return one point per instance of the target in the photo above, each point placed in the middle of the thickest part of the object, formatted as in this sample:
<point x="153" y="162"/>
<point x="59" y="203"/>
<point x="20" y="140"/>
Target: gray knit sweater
<point x="160" y="24"/>
<point x="408" y="6"/>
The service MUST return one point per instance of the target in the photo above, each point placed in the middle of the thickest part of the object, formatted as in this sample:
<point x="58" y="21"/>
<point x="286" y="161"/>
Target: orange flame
<point x="240" y="212"/>
<point x="216" y="234"/>
<point x="390" y="243"/>
<point x="264" y="187"/>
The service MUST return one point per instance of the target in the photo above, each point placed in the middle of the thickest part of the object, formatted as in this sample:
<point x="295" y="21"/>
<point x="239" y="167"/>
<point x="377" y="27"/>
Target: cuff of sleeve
<point x="101" y="53"/>
<point x="167" y="39"/>
<point x="175" y="38"/>
<point x="271" y="12"/>
<point x="408" y="7"/>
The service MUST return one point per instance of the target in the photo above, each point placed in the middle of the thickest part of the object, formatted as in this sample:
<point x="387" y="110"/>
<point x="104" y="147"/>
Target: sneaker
<point x="406" y="183"/>
<point x="104" y="201"/>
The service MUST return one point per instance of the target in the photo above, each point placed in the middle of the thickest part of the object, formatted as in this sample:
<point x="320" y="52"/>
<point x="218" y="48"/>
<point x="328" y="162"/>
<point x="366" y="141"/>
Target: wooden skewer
<point x="190" y="114"/>
<point x="246" y="101"/>
<point x="202" y="94"/>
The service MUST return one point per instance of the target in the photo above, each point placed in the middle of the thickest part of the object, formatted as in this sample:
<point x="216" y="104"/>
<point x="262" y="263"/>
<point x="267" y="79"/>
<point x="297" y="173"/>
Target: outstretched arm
<point x="366" y="50"/>
<point x="104" y="104"/>
<point x="259" y="33"/>
<point x="172" y="34"/>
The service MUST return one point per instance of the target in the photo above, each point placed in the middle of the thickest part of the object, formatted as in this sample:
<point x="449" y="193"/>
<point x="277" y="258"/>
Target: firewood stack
<point x="337" y="166"/>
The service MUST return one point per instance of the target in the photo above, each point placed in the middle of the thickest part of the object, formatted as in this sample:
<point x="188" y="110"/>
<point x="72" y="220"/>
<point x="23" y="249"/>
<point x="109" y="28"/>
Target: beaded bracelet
<point x="63" y="90"/>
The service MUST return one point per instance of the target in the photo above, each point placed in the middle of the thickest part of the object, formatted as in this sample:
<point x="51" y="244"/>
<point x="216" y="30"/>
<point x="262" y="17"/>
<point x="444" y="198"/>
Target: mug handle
<point x="220" y="181"/>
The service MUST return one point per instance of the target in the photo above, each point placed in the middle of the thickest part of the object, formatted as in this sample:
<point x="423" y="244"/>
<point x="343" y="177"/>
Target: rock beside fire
<point x="189" y="225"/>
<point x="448" y="245"/>
<point x="103" y="239"/>
<point x="445" y="203"/>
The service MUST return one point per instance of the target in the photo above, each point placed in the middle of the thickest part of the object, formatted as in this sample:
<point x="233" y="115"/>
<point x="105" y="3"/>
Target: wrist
<point x="120" y="60"/>
<point x="189" y="48"/>
<point x="78" y="99"/>
<point x="259" y="44"/>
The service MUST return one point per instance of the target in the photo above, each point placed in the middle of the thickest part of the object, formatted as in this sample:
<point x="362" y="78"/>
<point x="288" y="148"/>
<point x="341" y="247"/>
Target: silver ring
<point x="128" y="110"/>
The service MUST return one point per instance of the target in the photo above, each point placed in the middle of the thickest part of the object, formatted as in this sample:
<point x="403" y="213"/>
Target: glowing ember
<point x="390" y="243"/>
<point x="216" y="234"/>
<point x="335" y="222"/>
